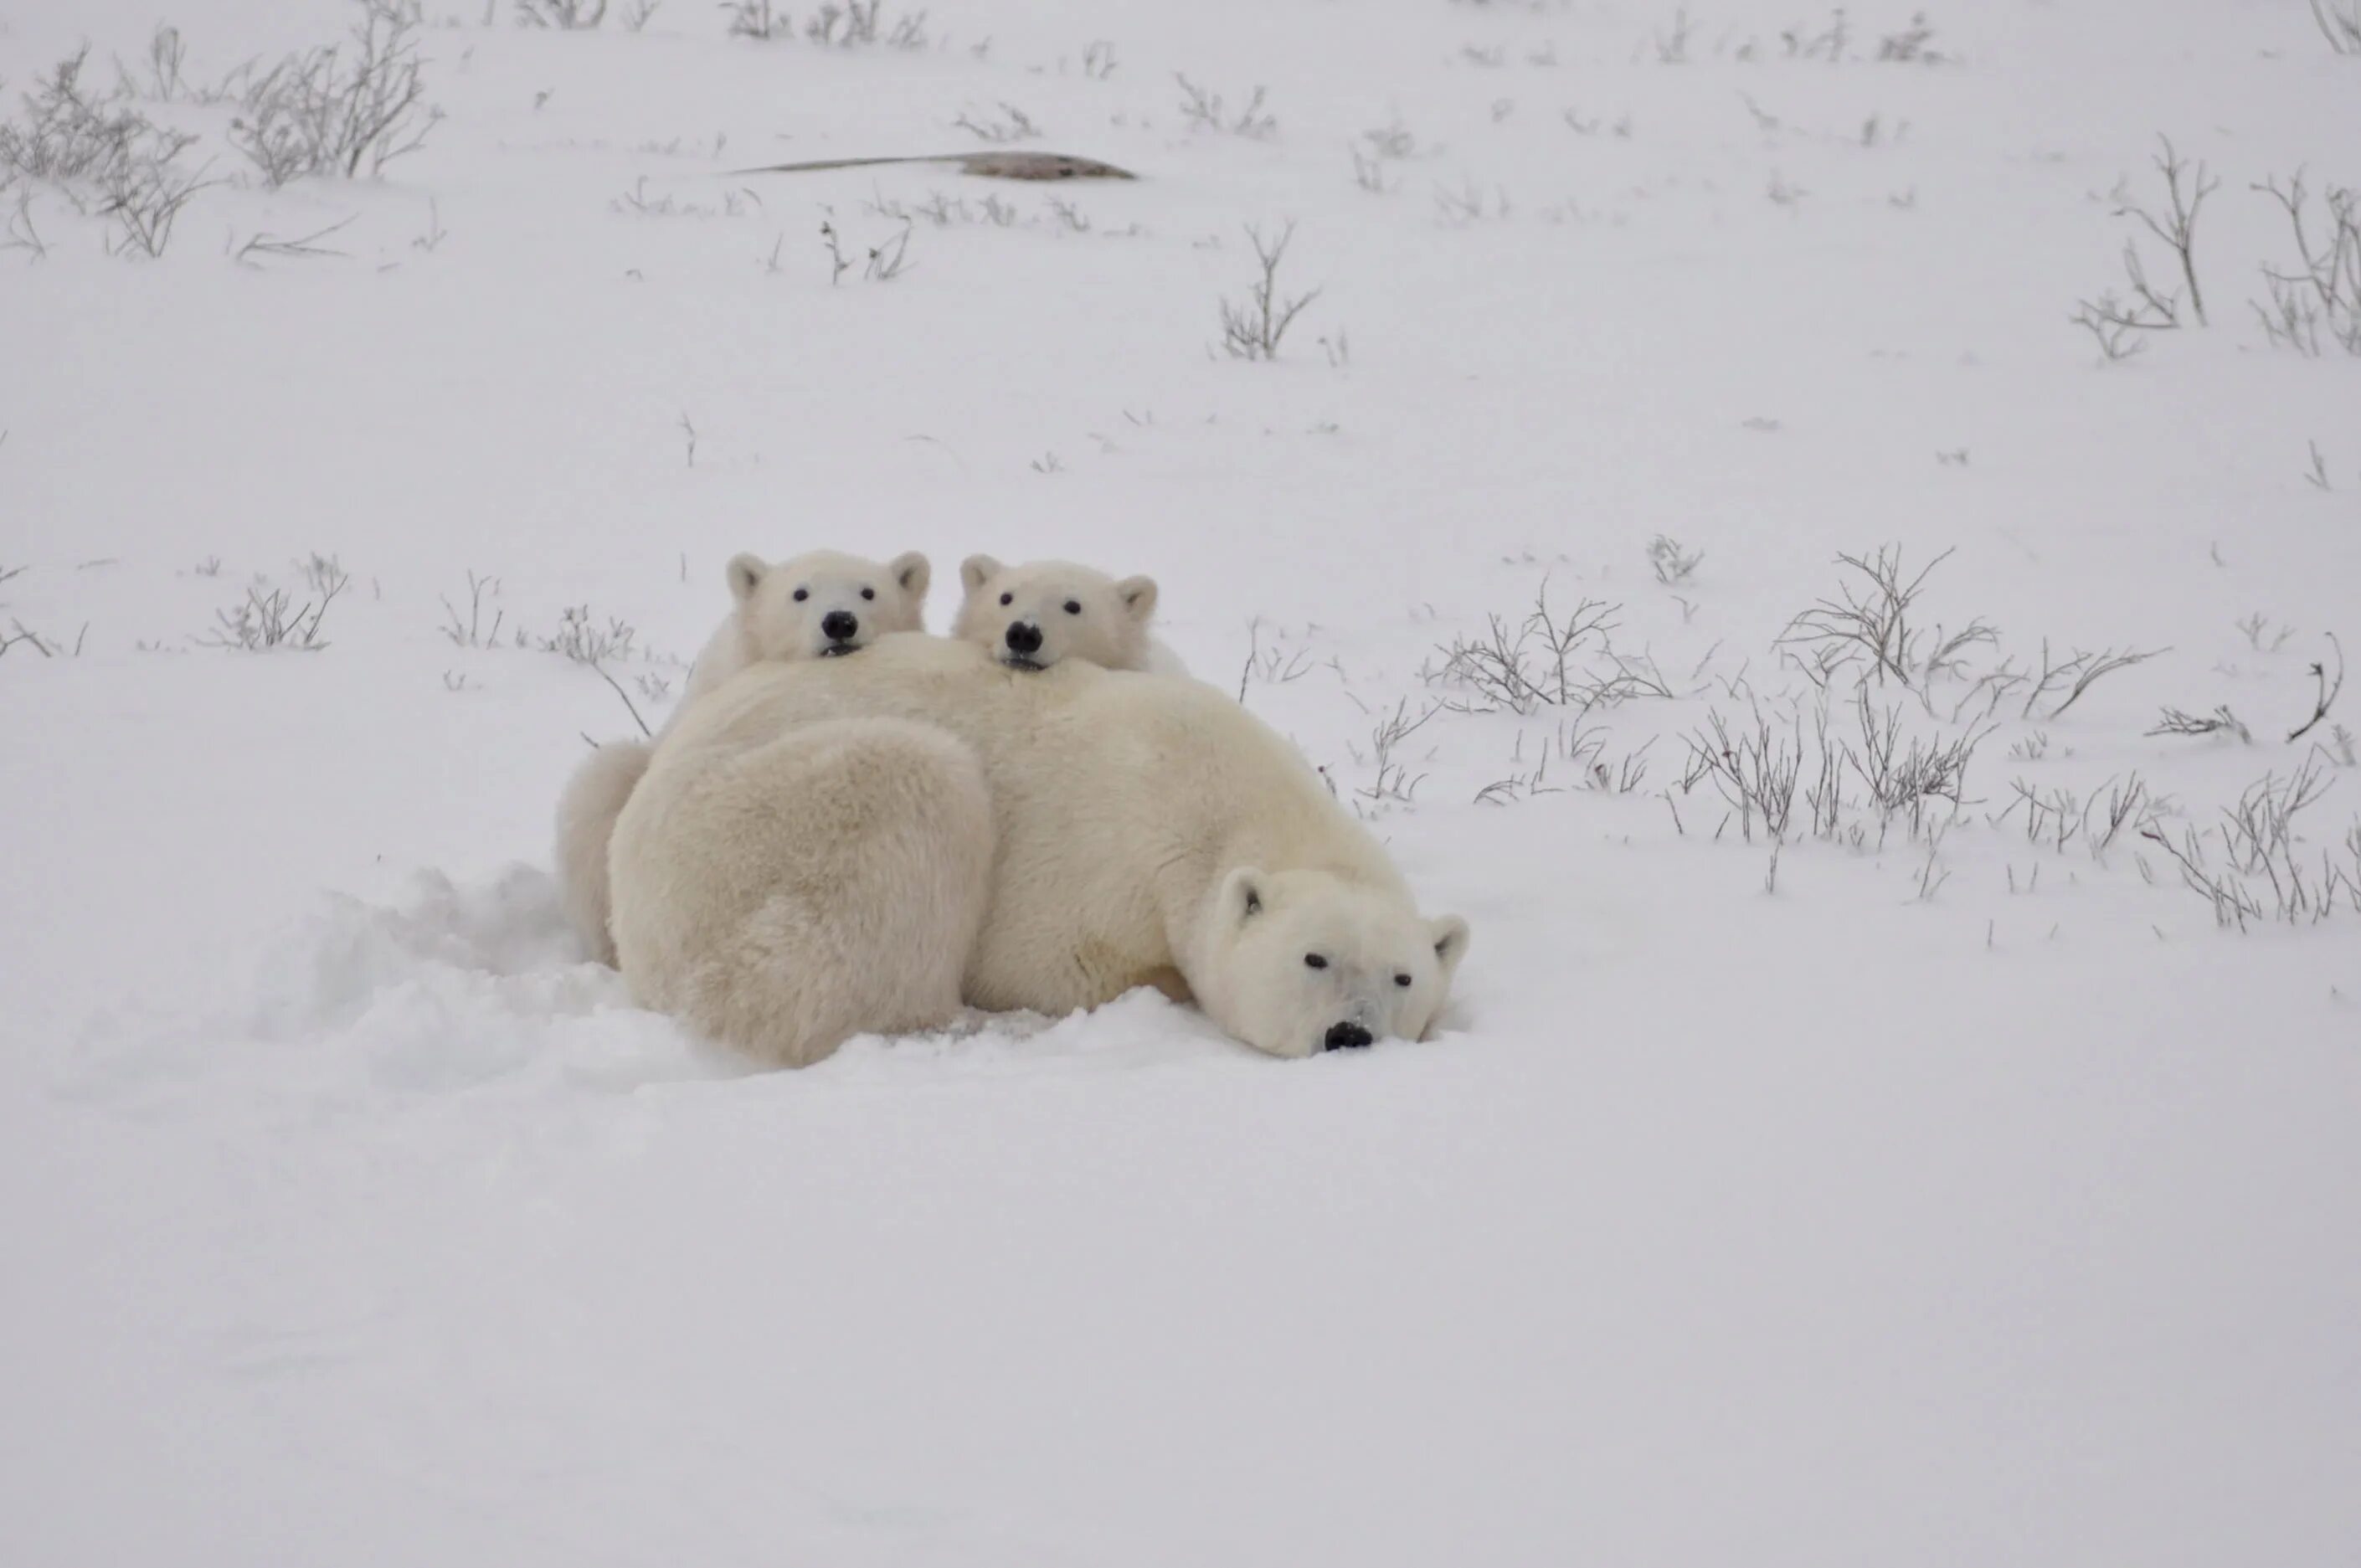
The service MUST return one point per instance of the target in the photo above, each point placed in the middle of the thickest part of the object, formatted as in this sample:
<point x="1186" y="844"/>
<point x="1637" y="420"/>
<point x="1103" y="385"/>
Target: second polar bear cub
<point x="1031" y="616"/>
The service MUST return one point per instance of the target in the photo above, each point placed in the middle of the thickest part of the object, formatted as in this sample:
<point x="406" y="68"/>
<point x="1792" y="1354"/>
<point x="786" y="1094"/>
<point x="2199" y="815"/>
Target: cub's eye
<point x="1401" y="980"/>
<point x="802" y="594"/>
<point x="1009" y="598"/>
<point x="1073" y="607"/>
<point x="869" y="593"/>
<point x="1313" y="961"/>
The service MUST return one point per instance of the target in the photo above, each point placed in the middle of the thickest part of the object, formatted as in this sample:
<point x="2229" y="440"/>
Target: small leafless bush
<point x="1869" y="619"/>
<point x="2340" y="24"/>
<point x="2266" y="873"/>
<point x="266" y="247"/>
<point x="1006" y="123"/>
<point x="267" y="621"/>
<point x="756" y="20"/>
<point x="1394" y="780"/>
<point x="1669" y="561"/>
<point x="857" y="24"/>
<point x="69" y="133"/>
<point x="1253" y="330"/>
<point x="637" y="13"/>
<point x="1905" y="777"/>
<point x="145" y="199"/>
<point x="21" y="233"/>
<point x="562" y="16"/>
<point x="340" y="110"/>
<point x="2075" y="675"/>
<point x="1756" y="772"/>
<point x="2324" y="295"/>
<point x="1909" y="47"/>
<point x="585" y="640"/>
<point x="1530" y="665"/>
<point x="1207" y="111"/>
<point x="2327" y="693"/>
<point x="2221" y="721"/>
<point x="470" y="630"/>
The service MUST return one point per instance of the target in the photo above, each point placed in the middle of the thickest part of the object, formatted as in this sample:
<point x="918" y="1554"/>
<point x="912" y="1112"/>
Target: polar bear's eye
<point x="869" y="593"/>
<point x="1009" y="598"/>
<point x="1313" y="961"/>
<point x="1073" y="607"/>
<point x="1401" y="980"/>
<point x="802" y="594"/>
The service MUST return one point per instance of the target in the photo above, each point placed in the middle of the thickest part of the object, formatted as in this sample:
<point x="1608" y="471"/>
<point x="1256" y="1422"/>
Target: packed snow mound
<point x="478" y="985"/>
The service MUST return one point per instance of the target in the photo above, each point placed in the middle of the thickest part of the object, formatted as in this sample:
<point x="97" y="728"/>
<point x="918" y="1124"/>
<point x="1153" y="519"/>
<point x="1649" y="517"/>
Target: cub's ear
<point x="745" y="574"/>
<point x="1138" y="596"/>
<point x="976" y="571"/>
<point x="1242" y="895"/>
<point x="910" y="570"/>
<point x="1450" y="935"/>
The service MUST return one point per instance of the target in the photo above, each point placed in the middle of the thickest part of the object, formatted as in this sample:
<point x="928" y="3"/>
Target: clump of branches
<point x="341" y="109"/>
<point x="857" y="24"/>
<point x="756" y="20"/>
<point x="1253" y="328"/>
<point x="2324" y="295"/>
<point x="2340" y="24"/>
<point x="470" y="630"/>
<point x="271" y="621"/>
<point x="1207" y="111"/>
<point x="2221" y="721"/>
<point x="1533" y="664"/>
<point x="1908" y="777"/>
<point x="1394" y="780"/>
<point x="2116" y="321"/>
<point x="1756" y="772"/>
<point x="562" y="16"/>
<point x="1669" y="561"/>
<point x="1009" y="124"/>
<point x="2327" y="690"/>
<point x="1869" y="621"/>
<point x="585" y="641"/>
<point x="2262" y="855"/>
<point x="2075" y="675"/>
<point x="69" y="133"/>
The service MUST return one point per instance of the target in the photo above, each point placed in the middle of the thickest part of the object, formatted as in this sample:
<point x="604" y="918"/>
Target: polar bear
<point x="1150" y="832"/>
<point x="833" y="885"/>
<point x="816" y="606"/>
<point x="1031" y="616"/>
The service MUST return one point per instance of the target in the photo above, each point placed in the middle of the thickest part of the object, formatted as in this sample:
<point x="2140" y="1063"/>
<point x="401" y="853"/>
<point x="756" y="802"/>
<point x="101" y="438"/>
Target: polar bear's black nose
<point x="840" y="625"/>
<point x="1346" y="1037"/>
<point x="1024" y="637"/>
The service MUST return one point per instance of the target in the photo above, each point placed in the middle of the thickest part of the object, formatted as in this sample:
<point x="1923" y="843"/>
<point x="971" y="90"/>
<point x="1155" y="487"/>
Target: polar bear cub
<point x="819" y="605"/>
<point x="1031" y="616"/>
<point x="816" y="606"/>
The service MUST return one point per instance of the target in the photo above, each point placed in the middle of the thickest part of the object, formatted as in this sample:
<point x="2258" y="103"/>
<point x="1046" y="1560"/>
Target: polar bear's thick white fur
<point x="1031" y="616"/>
<point x="814" y="606"/>
<point x="832" y="882"/>
<point x="1150" y="831"/>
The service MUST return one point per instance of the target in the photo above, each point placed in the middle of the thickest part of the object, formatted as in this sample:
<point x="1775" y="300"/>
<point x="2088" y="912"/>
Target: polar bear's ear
<point x="976" y="571"/>
<point x="1242" y="895"/>
<point x="910" y="570"/>
<point x="745" y="574"/>
<point x="1138" y="596"/>
<point x="1450" y="934"/>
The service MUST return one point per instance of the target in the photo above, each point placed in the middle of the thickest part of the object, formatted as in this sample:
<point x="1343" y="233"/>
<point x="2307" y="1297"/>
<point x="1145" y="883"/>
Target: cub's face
<point x="822" y="605"/>
<point x="1030" y="617"/>
<point x="1300" y="962"/>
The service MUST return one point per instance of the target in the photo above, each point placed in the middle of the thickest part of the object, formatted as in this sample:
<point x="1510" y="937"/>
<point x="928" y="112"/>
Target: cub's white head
<point x="822" y="605"/>
<point x="1299" y="962"/>
<point x="1032" y="615"/>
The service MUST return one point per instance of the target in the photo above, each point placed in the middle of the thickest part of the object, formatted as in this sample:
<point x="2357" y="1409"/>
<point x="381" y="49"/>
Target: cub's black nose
<point x="1346" y="1037"/>
<point x="1024" y="637"/>
<point x="840" y="625"/>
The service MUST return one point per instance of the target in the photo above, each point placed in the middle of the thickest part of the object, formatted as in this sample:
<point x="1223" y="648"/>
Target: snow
<point x="353" y="1220"/>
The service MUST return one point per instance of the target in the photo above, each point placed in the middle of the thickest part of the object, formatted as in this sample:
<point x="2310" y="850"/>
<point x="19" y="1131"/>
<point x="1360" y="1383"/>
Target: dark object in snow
<point x="991" y="165"/>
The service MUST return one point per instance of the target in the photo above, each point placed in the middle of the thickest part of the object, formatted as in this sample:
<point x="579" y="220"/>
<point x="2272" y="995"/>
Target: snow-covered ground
<point x="1948" y="1185"/>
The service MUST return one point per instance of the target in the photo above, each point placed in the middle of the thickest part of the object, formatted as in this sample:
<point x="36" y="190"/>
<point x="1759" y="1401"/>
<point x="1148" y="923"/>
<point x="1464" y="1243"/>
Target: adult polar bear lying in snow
<point x="801" y="856"/>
